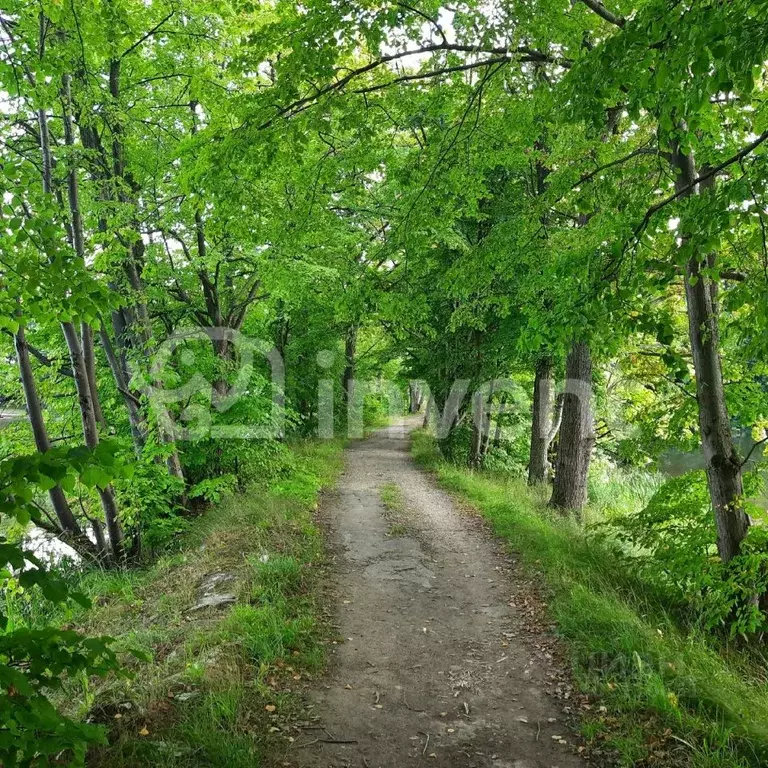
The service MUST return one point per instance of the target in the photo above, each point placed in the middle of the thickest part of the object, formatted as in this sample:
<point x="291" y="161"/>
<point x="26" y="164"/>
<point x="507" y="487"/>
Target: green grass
<point x="201" y="699"/>
<point x="395" y="508"/>
<point x="672" y="697"/>
<point x="392" y="497"/>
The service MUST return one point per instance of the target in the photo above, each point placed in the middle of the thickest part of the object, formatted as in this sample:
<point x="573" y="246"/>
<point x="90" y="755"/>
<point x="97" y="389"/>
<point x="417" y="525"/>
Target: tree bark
<point x="576" y="432"/>
<point x="91" y="437"/>
<point x="486" y="437"/>
<point x="135" y="324"/>
<point x="723" y="463"/>
<point x="86" y="333"/>
<point x="499" y="418"/>
<point x="350" y="348"/>
<point x="222" y="349"/>
<point x="476" y="444"/>
<point x="135" y="417"/>
<point x="61" y="508"/>
<point x="557" y="419"/>
<point x="428" y="411"/>
<point x="541" y="425"/>
<point x="481" y="427"/>
<point x="86" y="394"/>
<point x="414" y="394"/>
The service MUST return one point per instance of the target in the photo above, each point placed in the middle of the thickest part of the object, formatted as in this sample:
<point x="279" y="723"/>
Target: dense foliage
<point x="225" y="225"/>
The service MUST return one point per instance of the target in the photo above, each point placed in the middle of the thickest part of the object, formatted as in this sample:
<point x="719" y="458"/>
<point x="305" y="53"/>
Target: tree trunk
<point x="541" y="426"/>
<point x="282" y="337"/>
<point x="476" y="445"/>
<point x="576" y="433"/>
<point x="499" y="417"/>
<point x="91" y="437"/>
<point x="61" y="508"/>
<point x="428" y="411"/>
<point x="86" y="394"/>
<point x="723" y="463"/>
<point x="481" y="427"/>
<point x="415" y="397"/>
<point x="135" y="417"/>
<point x="486" y="444"/>
<point x="557" y="419"/>
<point x="350" y="347"/>
<point x="132" y="326"/>
<point x="222" y="349"/>
<point x="485" y="427"/>
<point x="86" y="334"/>
<point x="139" y="323"/>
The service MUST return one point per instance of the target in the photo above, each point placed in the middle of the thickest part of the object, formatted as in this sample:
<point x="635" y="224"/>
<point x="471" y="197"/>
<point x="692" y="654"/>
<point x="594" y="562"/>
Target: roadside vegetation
<point x="212" y="685"/>
<point x="395" y="508"/>
<point x="666" y="691"/>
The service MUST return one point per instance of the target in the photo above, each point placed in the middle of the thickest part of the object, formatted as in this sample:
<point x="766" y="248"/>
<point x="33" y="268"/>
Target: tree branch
<point x="641" y="151"/>
<point x="604" y="13"/>
<point x="425" y="16"/>
<point x="146" y="37"/>
<point x="529" y="53"/>
<point x="741" y="154"/>
<point x="433" y="73"/>
<point x="752" y="450"/>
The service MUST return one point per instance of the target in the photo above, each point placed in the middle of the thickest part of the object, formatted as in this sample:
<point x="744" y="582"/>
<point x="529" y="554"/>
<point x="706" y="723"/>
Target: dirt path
<point x="433" y="670"/>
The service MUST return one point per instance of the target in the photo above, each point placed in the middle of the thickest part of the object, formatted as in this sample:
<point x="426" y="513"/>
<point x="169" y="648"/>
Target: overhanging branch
<point x="604" y="13"/>
<point x="526" y="54"/>
<point x="708" y="174"/>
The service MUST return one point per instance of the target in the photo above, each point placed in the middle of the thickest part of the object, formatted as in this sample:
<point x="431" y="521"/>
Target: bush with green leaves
<point x="214" y="489"/>
<point x="149" y="502"/>
<point x="673" y="541"/>
<point x="36" y="660"/>
<point x="249" y="461"/>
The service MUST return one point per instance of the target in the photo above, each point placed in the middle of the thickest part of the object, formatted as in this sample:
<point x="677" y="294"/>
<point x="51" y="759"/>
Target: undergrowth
<point x="220" y="680"/>
<point x="673" y="696"/>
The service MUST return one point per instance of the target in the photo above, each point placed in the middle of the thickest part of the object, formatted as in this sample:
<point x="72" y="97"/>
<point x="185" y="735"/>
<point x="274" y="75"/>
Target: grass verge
<point x="222" y="681"/>
<point x="671" y="697"/>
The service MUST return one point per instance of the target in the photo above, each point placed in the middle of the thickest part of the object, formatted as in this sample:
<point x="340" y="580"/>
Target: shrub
<point x="673" y="541"/>
<point x="149" y="502"/>
<point x="36" y="660"/>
